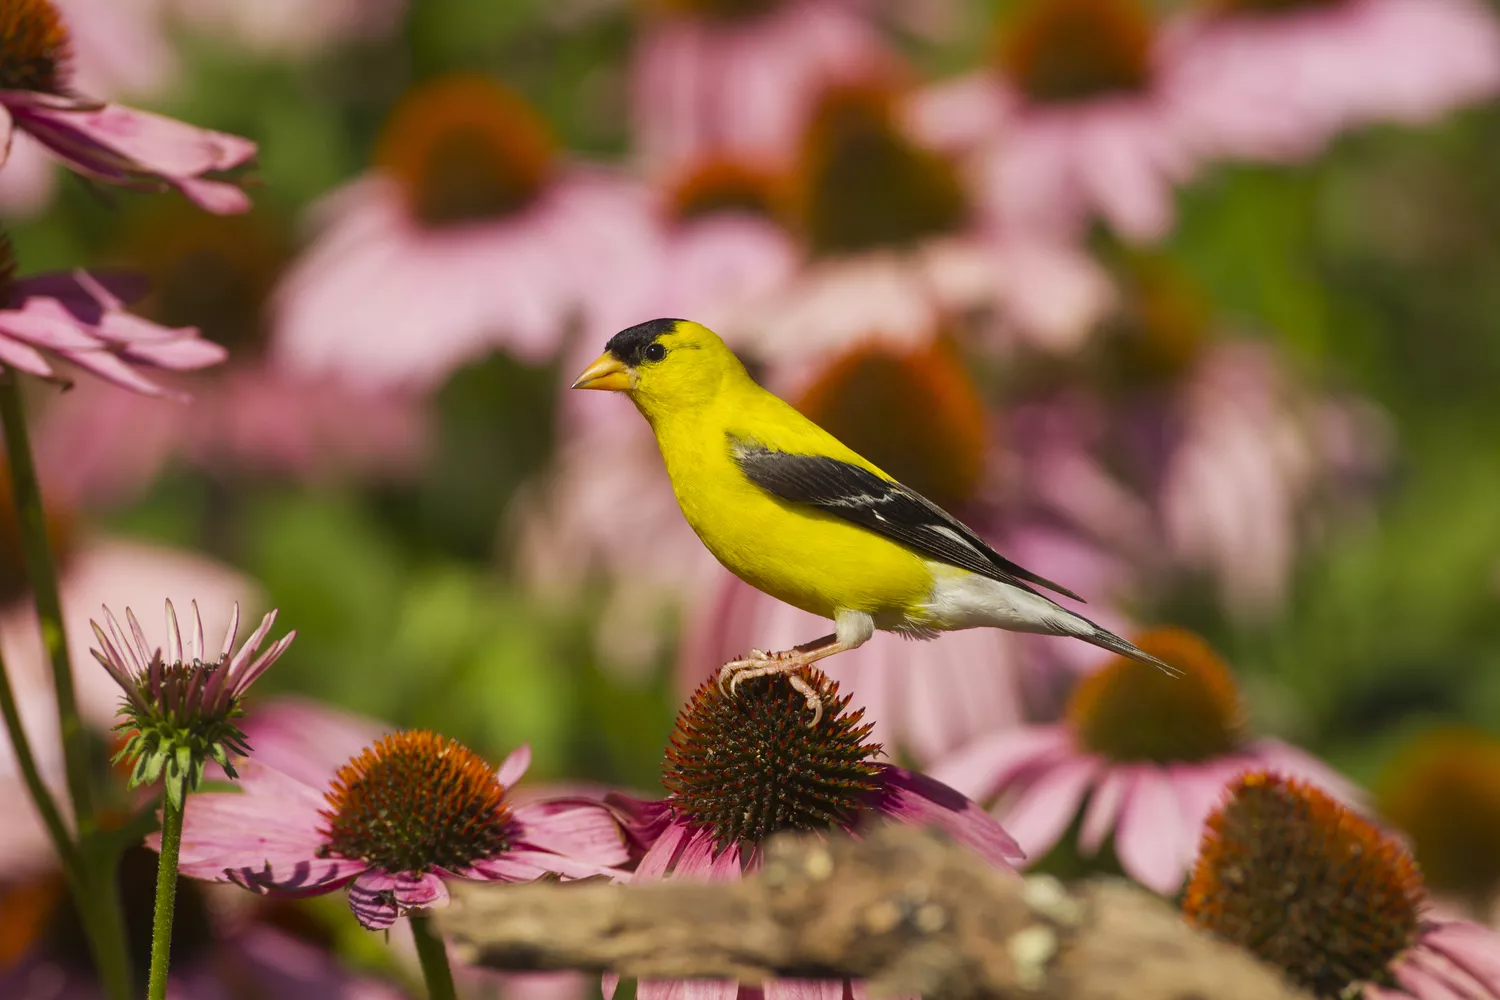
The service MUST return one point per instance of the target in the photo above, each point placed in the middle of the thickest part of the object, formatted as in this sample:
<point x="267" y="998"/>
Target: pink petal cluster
<point x="103" y="446"/>
<point x="1154" y="812"/>
<point x="1279" y="86"/>
<point x="130" y="148"/>
<point x="1452" y="958"/>
<point x="270" y="836"/>
<point x="382" y="301"/>
<point x="81" y="318"/>
<point x="744" y="86"/>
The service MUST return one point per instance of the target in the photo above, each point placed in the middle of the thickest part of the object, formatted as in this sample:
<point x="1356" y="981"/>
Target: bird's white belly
<point x="960" y="599"/>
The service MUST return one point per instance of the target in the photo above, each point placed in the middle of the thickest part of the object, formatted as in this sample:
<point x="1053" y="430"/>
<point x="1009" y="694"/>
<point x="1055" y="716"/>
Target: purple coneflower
<point x="1072" y="123"/>
<point x="1143" y="756"/>
<point x="392" y="822"/>
<point x="108" y="142"/>
<point x="1272" y="80"/>
<point x="251" y="418"/>
<point x="471" y="234"/>
<point x="737" y="77"/>
<point x="81" y="318"/>
<point x="741" y="768"/>
<point x="181" y="703"/>
<point x="1323" y="894"/>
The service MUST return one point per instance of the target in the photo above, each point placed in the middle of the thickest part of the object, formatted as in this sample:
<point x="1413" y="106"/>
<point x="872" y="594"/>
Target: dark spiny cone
<point x="416" y="801"/>
<point x="1305" y="884"/>
<point x="747" y="765"/>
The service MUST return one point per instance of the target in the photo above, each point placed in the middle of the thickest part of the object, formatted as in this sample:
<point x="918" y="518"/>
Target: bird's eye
<point x="655" y="352"/>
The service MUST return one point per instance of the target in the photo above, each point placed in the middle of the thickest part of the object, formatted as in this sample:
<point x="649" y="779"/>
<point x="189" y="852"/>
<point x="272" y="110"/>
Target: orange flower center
<point x="1305" y="884"/>
<point x="1127" y="711"/>
<point x="1073" y="50"/>
<point x="1444" y="791"/>
<point x="35" y="50"/>
<point x="415" y="801"/>
<point x="861" y="183"/>
<point x="215" y="272"/>
<point x="915" y="413"/>
<point x="749" y="765"/>
<point x="463" y="148"/>
<point x="1163" y="324"/>
<point x="723" y="185"/>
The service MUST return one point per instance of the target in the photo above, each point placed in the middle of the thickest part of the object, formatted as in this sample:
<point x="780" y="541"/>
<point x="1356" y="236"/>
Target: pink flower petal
<point x="308" y="740"/>
<point x="578" y="828"/>
<point x="265" y="836"/>
<point x="989" y="766"/>
<point x="514" y="766"/>
<point x="662" y="853"/>
<point x="922" y="801"/>
<point x="1104" y="807"/>
<point x="378" y="898"/>
<point x="1041" y="812"/>
<point x="1471" y="947"/>
<point x="1150" y="832"/>
<point x="803" y="989"/>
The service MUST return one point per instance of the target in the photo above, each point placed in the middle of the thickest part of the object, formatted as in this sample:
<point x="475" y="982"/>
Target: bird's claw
<point x="763" y="664"/>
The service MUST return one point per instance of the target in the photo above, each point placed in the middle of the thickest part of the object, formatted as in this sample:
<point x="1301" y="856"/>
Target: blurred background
<point x="1191" y="306"/>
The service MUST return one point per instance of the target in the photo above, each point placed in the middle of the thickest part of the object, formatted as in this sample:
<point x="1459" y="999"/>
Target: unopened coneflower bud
<point x="181" y="703"/>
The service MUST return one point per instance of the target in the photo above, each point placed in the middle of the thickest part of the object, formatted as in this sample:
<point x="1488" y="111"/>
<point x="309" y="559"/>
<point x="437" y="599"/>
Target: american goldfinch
<point x="790" y="510"/>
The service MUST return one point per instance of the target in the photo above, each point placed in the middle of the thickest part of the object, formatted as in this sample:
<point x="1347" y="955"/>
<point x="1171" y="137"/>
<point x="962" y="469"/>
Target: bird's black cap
<point x="629" y="346"/>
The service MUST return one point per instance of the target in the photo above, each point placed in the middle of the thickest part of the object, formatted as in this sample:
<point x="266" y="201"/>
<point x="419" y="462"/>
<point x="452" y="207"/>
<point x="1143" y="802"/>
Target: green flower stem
<point x="433" y="955"/>
<point x="42" y="574"/>
<point x="62" y="841"/>
<point x="166" y="899"/>
<point x="91" y="879"/>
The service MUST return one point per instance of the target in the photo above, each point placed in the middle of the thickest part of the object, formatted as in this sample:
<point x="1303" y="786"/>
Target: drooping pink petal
<point x="922" y="801"/>
<point x="1148" y="837"/>
<point x="265" y="836"/>
<point x="378" y="898"/>
<point x="1042" y="810"/>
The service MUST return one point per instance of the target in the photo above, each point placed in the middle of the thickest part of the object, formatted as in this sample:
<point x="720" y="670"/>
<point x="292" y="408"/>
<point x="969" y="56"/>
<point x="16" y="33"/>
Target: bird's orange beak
<point x="607" y="372"/>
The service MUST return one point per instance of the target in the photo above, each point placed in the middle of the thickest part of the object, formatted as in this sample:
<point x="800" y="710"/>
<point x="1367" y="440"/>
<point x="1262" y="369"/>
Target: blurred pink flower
<point x="1144" y="757"/>
<point x="108" y="142"/>
<point x="1073" y="124"/>
<point x="25" y="848"/>
<point x="119" y="47"/>
<point x="1277" y="84"/>
<point x="81" y="319"/>
<point x="281" y="835"/>
<point x="732" y="78"/>
<point x="103" y="447"/>
<point x="468" y="237"/>
<point x="738" y="769"/>
<point x="291" y="27"/>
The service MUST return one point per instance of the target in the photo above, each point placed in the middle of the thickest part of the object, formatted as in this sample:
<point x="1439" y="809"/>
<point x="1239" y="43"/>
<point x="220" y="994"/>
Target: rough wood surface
<point x="905" y="909"/>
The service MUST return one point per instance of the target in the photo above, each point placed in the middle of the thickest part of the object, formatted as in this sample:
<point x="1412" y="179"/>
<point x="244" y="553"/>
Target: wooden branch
<point x="903" y="908"/>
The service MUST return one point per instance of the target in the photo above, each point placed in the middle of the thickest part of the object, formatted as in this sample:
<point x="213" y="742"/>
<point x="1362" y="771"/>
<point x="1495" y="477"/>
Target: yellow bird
<point x="790" y="510"/>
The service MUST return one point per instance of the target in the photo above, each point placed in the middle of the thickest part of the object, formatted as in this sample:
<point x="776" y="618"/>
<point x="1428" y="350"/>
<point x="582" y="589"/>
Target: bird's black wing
<point x="884" y="507"/>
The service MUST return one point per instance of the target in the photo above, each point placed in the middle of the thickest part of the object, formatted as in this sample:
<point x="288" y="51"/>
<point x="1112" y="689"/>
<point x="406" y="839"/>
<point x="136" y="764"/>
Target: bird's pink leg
<point x="785" y="662"/>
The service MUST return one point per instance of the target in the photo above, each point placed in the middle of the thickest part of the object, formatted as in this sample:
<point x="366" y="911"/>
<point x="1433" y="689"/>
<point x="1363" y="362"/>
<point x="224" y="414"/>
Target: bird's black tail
<point x="1105" y="639"/>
